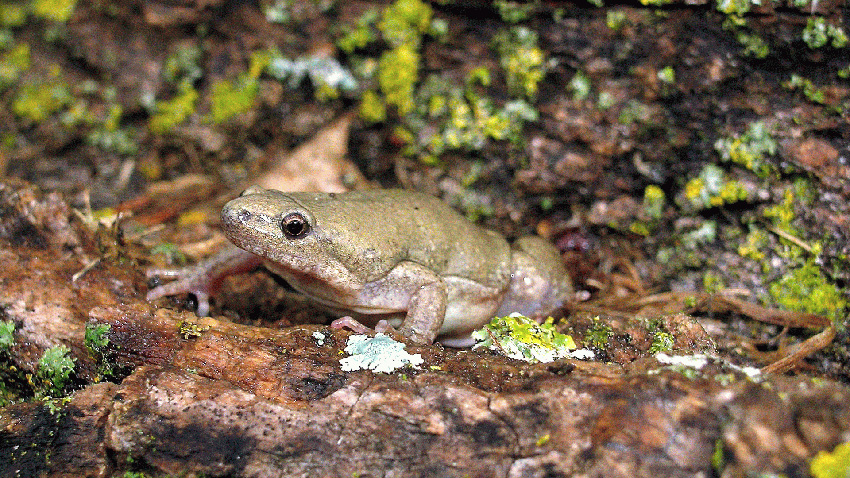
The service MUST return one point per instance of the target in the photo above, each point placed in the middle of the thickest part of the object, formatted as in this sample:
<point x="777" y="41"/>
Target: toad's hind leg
<point x="539" y="280"/>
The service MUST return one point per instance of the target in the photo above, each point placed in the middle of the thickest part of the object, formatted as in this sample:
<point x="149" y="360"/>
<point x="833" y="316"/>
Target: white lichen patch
<point x="319" y="337"/>
<point x="379" y="354"/>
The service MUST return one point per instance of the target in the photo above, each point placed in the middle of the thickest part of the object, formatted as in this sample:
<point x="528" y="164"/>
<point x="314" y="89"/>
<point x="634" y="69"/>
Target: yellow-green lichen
<point x="754" y="245"/>
<point x="713" y="189"/>
<point x="751" y="149"/>
<point x="170" y="113"/>
<point x="360" y="34"/>
<point x="404" y="22"/>
<point x="523" y="62"/>
<point x="13" y="63"/>
<point x="55" y="10"/>
<point x="398" y="72"/>
<point x="522" y="338"/>
<point x="834" y="464"/>
<point x="39" y="100"/>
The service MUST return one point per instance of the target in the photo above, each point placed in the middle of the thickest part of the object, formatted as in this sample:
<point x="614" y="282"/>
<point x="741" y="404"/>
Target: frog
<point x="399" y="259"/>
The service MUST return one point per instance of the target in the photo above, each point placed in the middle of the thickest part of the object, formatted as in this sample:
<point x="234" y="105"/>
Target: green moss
<point x="372" y="108"/>
<point x="183" y="66"/>
<point x="523" y="62"/>
<point x="53" y="372"/>
<point x="818" y="33"/>
<point x="751" y="149"/>
<point x="230" y="99"/>
<point x="97" y="342"/>
<point x="599" y="334"/>
<point x="712" y="282"/>
<point x="54" y="10"/>
<point x="190" y="330"/>
<point x="38" y="101"/>
<point x="170" y="113"/>
<point x="662" y="341"/>
<point x="835" y="464"/>
<point x="7" y="335"/>
<point x="806" y="289"/>
<point x="782" y="215"/>
<point x="656" y="3"/>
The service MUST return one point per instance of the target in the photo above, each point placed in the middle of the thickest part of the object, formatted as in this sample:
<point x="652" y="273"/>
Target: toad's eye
<point x="295" y="225"/>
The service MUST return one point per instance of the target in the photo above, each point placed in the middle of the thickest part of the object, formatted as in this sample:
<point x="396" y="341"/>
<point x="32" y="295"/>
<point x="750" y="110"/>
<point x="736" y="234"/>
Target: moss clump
<point x="755" y="243"/>
<point x="7" y="335"/>
<point x="751" y="149"/>
<point x="53" y="372"/>
<point x="515" y="12"/>
<point x="806" y="289"/>
<point x="599" y="334"/>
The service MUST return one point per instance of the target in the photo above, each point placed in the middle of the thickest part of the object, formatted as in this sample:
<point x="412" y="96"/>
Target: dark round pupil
<point x="294" y="226"/>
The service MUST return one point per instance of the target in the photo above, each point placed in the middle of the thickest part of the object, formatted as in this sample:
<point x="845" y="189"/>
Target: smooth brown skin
<point x="389" y="254"/>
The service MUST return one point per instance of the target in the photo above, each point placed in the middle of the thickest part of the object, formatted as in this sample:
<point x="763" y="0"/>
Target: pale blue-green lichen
<point x="380" y="354"/>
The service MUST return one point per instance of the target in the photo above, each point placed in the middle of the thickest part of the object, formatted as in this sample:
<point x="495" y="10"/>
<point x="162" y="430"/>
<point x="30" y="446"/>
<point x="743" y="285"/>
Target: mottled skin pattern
<point x="385" y="254"/>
